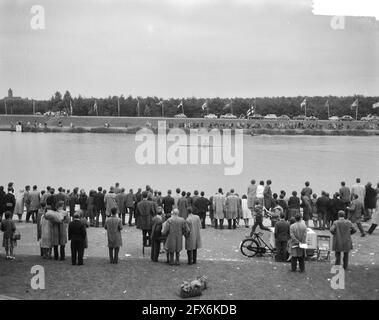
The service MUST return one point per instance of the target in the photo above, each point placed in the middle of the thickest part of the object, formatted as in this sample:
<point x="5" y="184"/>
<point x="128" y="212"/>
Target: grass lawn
<point x="230" y="275"/>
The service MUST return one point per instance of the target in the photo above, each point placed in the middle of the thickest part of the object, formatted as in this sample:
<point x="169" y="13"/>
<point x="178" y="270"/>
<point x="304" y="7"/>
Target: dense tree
<point x="290" y="106"/>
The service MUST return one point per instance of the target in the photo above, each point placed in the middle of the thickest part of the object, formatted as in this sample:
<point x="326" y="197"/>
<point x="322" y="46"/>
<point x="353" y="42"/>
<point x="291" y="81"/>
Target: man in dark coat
<point x="77" y="234"/>
<point x="156" y="234"/>
<point x="145" y="213"/>
<point x="369" y="201"/>
<point x="201" y="205"/>
<point x="342" y="230"/>
<point x="322" y="209"/>
<point x="194" y="198"/>
<point x="168" y="204"/>
<point x="130" y="206"/>
<point x="282" y="235"/>
<point x="99" y="207"/>
<point x="9" y="201"/>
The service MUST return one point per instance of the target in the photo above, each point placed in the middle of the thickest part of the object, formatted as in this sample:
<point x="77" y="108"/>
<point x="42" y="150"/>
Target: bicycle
<point x="254" y="245"/>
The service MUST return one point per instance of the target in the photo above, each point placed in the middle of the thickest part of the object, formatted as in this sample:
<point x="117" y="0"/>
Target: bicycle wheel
<point x="249" y="247"/>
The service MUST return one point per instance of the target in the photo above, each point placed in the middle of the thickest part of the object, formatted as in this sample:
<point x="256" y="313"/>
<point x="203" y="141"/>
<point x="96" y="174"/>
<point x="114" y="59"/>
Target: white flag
<point x="180" y="104"/>
<point x="204" y="106"/>
<point x="375" y="105"/>
<point x="304" y="103"/>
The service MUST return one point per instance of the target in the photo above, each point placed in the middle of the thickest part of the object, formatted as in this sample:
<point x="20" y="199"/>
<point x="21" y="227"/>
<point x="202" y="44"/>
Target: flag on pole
<point x="227" y="106"/>
<point x="304" y="103"/>
<point x="34" y="107"/>
<point x="138" y="107"/>
<point x="71" y="108"/>
<point x="180" y="104"/>
<point x="250" y="111"/>
<point x="375" y="105"/>
<point x="5" y="106"/>
<point x="327" y="104"/>
<point x="205" y="105"/>
<point x="354" y="104"/>
<point x="159" y="103"/>
<point x="95" y="106"/>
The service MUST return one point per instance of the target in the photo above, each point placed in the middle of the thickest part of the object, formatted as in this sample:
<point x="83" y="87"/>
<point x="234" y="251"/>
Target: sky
<point x="184" y="48"/>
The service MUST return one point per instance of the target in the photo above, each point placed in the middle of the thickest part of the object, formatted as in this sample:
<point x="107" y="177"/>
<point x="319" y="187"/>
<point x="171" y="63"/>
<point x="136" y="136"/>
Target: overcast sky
<point x="182" y="48"/>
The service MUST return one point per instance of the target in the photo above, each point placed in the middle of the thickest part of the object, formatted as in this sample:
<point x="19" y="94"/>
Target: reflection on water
<point x="90" y="160"/>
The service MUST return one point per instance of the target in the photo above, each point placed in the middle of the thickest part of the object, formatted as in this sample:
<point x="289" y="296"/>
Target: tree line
<point x="148" y="106"/>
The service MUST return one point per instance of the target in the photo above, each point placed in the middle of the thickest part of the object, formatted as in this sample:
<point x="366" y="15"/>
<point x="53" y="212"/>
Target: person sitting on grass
<point x="113" y="225"/>
<point x="258" y="221"/>
<point x="9" y="228"/>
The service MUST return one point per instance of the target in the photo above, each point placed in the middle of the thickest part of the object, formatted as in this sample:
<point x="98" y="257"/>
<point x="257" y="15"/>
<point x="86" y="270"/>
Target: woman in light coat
<point x="219" y="208"/>
<point x="19" y="207"/>
<point x="193" y="240"/>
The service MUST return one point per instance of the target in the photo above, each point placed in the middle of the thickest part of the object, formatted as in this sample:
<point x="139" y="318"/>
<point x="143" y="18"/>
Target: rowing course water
<point x="90" y="160"/>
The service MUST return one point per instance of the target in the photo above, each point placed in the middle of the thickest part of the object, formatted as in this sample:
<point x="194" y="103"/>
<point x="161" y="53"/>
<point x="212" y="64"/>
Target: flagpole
<point x="231" y="106"/>
<point x="182" y="107"/>
<point x="207" y="106"/>
<point x="356" y="110"/>
<point x="118" y="105"/>
<point x="5" y="106"/>
<point x="162" y="110"/>
<point x="34" y="107"/>
<point x="138" y="107"/>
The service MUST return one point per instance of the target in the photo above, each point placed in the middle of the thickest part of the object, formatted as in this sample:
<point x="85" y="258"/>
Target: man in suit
<point x="34" y="198"/>
<point x="9" y="201"/>
<point x="201" y="204"/>
<point x="298" y="232"/>
<point x="145" y="212"/>
<point x="356" y="210"/>
<point x="121" y="203"/>
<point x="342" y="230"/>
<point x="251" y="194"/>
<point x="194" y="198"/>
<point x="168" y="204"/>
<point x="130" y="206"/>
<point x="345" y="194"/>
<point x="282" y="235"/>
<point x="77" y="234"/>
<point x="99" y="207"/>
<point x="183" y="205"/>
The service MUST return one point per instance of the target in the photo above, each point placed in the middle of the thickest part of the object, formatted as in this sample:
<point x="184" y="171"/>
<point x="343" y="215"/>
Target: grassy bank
<point x="230" y="275"/>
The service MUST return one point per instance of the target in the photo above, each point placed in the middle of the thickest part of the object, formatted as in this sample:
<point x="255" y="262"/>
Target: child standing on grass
<point x="9" y="228"/>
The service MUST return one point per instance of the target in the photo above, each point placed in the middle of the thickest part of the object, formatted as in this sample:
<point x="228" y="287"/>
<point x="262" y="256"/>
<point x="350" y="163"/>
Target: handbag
<point x="17" y="235"/>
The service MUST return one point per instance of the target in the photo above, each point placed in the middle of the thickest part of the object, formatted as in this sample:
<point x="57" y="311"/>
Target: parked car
<point x="300" y="117"/>
<point x="347" y="118"/>
<point x="370" y="117"/>
<point x="210" y="116"/>
<point x="313" y="118"/>
<point x="284" y="117"/>
<point x="271" y="116"/>
<point x="180" y="115"/>
<point x="228" y="116"/>
<point x="334" y="118"/>
<point x="255" y="116"/>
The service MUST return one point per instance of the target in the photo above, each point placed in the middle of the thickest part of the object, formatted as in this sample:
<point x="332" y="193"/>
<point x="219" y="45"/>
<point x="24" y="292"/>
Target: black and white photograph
<point x="202" y="152"/>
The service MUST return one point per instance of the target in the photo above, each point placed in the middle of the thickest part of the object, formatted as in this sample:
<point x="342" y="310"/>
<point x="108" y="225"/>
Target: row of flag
<point x="204" y="106"/>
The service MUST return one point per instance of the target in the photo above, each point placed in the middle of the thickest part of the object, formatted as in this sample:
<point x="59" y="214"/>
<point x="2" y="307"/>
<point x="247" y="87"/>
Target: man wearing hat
<point x="342" y="230"/>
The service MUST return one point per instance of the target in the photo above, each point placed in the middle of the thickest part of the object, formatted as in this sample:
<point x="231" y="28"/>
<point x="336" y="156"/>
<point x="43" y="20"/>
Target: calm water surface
<point x="90" y="160"/>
